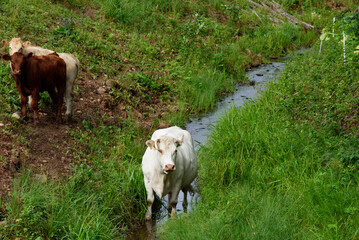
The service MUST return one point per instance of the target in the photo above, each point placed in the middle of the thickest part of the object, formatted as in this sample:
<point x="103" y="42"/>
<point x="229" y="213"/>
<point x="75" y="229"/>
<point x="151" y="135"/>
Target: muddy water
<point x="200" y="128"/>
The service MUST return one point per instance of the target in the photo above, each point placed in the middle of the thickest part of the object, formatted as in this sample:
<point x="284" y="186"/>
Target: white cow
<point x="72" y="66"/>
<point x="169" y="165"/>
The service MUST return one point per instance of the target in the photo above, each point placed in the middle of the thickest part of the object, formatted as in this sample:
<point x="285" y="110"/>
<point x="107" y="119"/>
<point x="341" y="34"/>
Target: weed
<point x="65" y="28"/>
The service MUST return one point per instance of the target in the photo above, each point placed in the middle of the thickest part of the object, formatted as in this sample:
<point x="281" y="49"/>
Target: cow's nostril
<point x="169" y="167"/>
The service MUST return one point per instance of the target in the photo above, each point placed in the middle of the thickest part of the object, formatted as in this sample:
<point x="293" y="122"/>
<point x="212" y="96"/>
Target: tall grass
<point x="285" y="166"/>
<point x="183" y="53"/>
<point x="201" y="88"/>
<point x="100" y="200"/>
<point x="213" y="35"/>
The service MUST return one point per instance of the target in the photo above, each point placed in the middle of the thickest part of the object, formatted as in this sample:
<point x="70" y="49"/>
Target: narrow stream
<point x="200" y="128"/>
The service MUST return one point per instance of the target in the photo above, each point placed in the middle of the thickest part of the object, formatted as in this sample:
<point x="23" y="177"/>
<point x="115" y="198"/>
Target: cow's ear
<point x="28" y="55"/>
<point x="27" y="44"/>
<point x="6" y="57"/>
<point x="179" y="141"/>
<point x="5" y="42"/>
<point x="150" y="144"/>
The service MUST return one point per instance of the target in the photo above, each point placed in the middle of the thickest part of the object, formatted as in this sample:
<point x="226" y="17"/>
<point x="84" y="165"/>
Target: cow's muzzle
<point x="169" y="168"/>
<point x="17" y="72"/>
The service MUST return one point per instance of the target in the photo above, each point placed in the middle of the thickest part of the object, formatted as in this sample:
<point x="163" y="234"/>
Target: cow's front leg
<point x="23" y="105"/>
<point x="150" y="199"/>
<point x="172" y="202"/>
<point x="34" y="105"/>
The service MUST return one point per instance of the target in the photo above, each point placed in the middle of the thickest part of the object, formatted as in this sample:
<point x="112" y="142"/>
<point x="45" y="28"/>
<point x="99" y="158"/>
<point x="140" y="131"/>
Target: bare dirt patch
<point x="11" y="155"/>
<point x="48" y="147"/>
<point x="336" y="5"/>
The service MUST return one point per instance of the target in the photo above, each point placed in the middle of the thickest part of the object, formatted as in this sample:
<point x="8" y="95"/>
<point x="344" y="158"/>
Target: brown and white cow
<point x="72" y="65"/>
<point x="169" y="165"/>
<point x="35" y="74"/>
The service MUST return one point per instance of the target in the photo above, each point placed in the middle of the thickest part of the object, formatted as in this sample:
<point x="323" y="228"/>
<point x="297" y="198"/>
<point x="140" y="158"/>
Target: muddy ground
<point x="47" y="147"/>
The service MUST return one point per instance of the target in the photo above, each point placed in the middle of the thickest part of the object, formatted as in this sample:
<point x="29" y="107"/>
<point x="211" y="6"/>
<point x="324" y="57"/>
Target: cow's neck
<point x="162" y="182"/>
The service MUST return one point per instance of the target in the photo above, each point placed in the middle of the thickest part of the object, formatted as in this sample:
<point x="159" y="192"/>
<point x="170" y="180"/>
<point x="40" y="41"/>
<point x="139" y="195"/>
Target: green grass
<point x="100" y="200"/>
<point x="285" y="166"/>
<point x="184" y="55"/>
<point x="160" y="39"/>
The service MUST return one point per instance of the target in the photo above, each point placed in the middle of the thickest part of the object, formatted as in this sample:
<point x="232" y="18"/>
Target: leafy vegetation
<point x="287" y="164"/>
<point x="179" y="57"/>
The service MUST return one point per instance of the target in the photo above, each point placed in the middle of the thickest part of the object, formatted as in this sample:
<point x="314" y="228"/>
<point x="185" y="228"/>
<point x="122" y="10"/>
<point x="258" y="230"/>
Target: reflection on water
<point x="200" y="127"/>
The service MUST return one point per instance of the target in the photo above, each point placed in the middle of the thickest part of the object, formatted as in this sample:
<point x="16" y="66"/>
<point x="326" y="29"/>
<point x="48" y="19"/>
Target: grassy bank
<point x="170" y="55"/>
<point x="168" y="60"/>
<point x="286" y="166"/>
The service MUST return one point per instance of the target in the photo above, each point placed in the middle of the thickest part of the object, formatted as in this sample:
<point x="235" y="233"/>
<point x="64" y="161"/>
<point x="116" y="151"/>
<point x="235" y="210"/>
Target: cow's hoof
<point x="67" y="118"/>
<point x="148" y="217"/>
<point x="24" y="117"/>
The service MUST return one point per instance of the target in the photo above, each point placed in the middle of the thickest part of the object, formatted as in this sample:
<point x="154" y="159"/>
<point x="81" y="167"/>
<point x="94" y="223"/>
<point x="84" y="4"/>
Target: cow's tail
<point x="77" y="66"/>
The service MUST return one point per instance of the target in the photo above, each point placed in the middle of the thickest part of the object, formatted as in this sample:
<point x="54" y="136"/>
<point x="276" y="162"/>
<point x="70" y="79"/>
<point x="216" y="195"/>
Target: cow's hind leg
<point x="68" y="100"/>
<point x="30" y="101"/>
<point x="60" y="101"/>
<point x="53" y="96"/>
<point x="185" y="202"/>
<point x="150" y="199"/>
<point x="34" y="105"/>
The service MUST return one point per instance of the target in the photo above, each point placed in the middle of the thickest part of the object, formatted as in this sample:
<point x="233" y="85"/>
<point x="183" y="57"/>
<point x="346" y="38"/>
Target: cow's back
<point x="175" y="132"/>
<point x="72" y="63"/>
<point x="37" y="51"/>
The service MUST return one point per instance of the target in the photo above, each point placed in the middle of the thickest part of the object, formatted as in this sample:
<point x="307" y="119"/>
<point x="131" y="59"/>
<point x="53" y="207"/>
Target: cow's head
<point x="18" y="60"/>
<point x="15" y="45"/>
<point x="167" y="148"/>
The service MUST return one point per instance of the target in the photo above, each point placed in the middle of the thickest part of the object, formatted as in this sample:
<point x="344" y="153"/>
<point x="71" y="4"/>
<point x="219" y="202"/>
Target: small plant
<point x="150" y="83"/>
<point x="233" y="10"/>
<point x="65" y="28"/>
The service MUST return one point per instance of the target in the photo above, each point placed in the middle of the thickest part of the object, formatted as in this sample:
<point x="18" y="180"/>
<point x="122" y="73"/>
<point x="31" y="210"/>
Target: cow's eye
<point x="176" y="151"/>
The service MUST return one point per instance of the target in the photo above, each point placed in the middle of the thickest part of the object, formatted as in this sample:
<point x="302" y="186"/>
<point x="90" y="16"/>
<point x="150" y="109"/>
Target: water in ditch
<point x="200" y="127"/>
